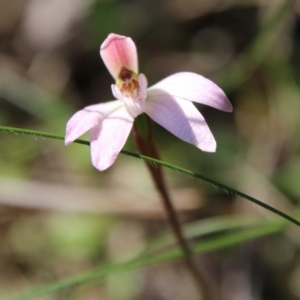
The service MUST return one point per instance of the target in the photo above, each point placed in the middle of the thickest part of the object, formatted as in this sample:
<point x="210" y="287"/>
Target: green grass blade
<point x="164" y="164"/>
<point x="212" y="244"/>
<point x="213" y="225"/>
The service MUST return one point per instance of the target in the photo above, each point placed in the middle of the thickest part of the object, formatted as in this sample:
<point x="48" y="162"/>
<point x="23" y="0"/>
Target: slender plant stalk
<point x="147" y="147"/>
<point x="229" y="190"/>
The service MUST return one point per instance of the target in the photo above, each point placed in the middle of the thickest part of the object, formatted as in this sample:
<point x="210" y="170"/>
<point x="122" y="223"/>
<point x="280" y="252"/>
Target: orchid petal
<point x="118" y="52"/>
<point x="194" y="87"/>
<point x="143" y="83"/>
<point x="87" y="118"/>
<point x="109" y="137"/>
<point x="135" y="106"/>
<point x="180" y="118"/>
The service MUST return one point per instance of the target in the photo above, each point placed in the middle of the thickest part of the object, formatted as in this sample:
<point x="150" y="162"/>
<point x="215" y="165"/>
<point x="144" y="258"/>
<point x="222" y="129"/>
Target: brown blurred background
<point x="60" y="217"/>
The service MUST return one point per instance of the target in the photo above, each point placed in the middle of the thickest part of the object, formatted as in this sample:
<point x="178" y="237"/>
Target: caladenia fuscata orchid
<point x="168" y="102"/>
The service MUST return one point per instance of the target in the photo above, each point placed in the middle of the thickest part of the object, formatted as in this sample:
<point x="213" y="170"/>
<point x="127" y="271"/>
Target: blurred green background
<point x="60" y="217"/>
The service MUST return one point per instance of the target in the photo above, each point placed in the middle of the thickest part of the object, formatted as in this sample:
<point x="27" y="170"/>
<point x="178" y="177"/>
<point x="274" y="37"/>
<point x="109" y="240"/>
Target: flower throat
<point x="127" y="83"/>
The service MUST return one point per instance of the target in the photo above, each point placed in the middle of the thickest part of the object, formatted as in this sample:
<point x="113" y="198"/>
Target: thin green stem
<point x="163" y="164"/>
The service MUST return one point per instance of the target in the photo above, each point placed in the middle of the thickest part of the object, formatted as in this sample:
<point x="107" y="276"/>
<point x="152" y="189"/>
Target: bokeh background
<point x="60" y="217"/>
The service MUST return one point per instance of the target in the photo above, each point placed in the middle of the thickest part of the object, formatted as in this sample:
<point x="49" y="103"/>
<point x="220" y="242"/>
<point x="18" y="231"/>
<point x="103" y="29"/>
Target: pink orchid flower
<point x="168" y="102"/>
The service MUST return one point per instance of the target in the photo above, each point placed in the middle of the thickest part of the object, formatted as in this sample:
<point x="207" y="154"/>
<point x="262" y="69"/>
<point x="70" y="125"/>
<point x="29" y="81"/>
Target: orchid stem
<point x="147" y="146"/>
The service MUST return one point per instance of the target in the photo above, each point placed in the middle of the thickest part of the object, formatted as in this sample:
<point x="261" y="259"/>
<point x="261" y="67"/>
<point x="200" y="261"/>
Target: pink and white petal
<point x="182" y="119"/>
<point x="143" y="83"/>
<point x="108" y="139"/>
<point x="87" y="118"/>
<point x="194" y="87"/>
<point x="80" y="123"/>
<point x="105" y="108"/>
<point x="118" y="52"/>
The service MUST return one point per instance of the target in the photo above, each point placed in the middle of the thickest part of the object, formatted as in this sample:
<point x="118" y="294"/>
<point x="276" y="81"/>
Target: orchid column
<point x="169" y="103"/>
